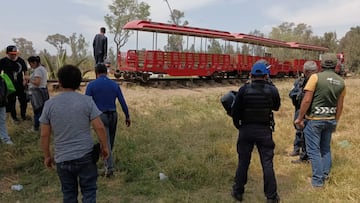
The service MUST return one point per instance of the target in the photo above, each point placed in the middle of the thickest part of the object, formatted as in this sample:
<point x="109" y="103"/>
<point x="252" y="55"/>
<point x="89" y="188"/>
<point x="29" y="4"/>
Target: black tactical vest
<point x="257" y="104"/>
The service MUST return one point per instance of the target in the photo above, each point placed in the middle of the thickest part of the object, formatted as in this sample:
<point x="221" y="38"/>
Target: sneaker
<point x="276" y="200"/>
<point x="295" y="153"/>
<point x="9" y="142"/>
<point x="237" y="196"/>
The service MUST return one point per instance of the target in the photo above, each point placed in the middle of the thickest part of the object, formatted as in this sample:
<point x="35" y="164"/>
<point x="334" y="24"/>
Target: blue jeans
<point x="81" y="171"/>
<point x="318" y="138"/>
<point x="109" y="119"/>
<point x="3" y="129"/>
<point x="37" y="114"/>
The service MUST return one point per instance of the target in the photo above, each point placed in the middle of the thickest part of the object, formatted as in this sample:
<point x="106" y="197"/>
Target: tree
<point x="289" y="32"/>
<point x="25" y="47"/>
<point x="257" y="50"/>
<point x="123" y="11"/>
<point x="58" y="41"/>
<point x="350" y="45"/>
<point x="175" y="42"/>
<point x="78" y="47"/>
<point x="214" y="47"/>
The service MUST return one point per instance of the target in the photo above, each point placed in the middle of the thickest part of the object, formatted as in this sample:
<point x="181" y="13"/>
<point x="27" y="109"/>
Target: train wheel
<point x="117" y="74"/>
<point x="216" y="76"/>
<point x="127" y="75"/>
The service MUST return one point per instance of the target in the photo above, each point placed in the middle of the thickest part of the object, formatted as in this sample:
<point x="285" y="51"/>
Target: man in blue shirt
<point x="104" y="91"/>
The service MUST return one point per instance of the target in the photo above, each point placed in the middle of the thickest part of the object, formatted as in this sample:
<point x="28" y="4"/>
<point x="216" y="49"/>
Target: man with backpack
<point x="296" y="94"/>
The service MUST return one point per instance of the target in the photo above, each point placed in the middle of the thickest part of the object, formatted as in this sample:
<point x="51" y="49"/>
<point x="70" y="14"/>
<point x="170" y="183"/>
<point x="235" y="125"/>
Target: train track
<point x="172" y="82"/>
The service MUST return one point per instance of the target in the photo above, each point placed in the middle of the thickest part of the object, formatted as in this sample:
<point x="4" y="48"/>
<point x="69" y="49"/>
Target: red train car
<point x="140" y="64"/>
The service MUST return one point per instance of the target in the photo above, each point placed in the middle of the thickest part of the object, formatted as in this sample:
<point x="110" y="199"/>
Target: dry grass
<point x="186" y="134"/>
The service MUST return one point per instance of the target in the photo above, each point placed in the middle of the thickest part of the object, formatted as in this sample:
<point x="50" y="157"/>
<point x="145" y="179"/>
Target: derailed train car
<point x="142" y="63"/>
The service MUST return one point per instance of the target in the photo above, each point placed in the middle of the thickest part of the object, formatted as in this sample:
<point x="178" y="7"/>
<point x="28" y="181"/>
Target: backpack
<point x="3" y="93"/>
<point x="297" y="92"/>
<point x="228" y="100"/>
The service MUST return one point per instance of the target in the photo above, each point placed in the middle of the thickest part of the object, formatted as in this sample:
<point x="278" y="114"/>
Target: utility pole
<point x="171" y="12"/>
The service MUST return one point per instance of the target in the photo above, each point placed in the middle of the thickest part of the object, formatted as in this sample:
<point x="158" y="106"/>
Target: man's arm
<point x="305" y="104"/>
<point x="45" y="144"/>
<point x="124" y="107"/>
<point x="105" y="47"/>
<point x="339" y="106"/>
<point x="101" y="133"/>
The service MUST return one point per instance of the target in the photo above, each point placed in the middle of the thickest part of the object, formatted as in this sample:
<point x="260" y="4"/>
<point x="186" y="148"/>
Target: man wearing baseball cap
<point x="15" y="67"/>
<point x="322" y="106"/>
<point x="252" y="116"/>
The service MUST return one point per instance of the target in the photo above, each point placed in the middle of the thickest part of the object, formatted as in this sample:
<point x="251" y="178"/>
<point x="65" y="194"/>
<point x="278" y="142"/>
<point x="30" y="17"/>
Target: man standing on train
<point x="100" y="46"/>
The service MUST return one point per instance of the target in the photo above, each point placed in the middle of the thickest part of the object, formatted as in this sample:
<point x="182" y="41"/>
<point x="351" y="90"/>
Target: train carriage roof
<point x="175" y="29"/>
<point x="149" y="26"/>
<point x="262" y="41"/>
<point x="297" y="45"/>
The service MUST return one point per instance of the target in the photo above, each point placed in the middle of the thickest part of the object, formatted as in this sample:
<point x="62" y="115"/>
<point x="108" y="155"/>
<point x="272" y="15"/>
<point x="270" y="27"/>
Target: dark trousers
<point x="299" y="142"/>
<point x="11" y="107"/>
<point x="99" y="58"/>
<point x="261" y="136"/>
<point x="81" y="171"/>
<point x="109" y="118"/>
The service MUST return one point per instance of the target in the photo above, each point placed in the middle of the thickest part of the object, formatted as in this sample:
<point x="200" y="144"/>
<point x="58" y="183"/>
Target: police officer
<point x="251" y="113"/>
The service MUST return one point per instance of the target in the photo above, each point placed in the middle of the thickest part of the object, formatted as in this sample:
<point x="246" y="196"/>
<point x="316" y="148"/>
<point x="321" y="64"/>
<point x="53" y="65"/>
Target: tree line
<point x="123" y="11"/>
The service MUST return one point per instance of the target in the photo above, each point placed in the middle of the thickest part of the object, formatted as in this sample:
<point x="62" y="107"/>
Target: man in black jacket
<point x="15" y="67"/>
<point x="251" y="113"/>
<point x="100" y="46"/>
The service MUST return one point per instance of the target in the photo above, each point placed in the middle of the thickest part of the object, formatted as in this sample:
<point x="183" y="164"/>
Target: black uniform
<point x="100" y="48"/>
<point x="15" y="70"/>
<point x="252" y="115"/>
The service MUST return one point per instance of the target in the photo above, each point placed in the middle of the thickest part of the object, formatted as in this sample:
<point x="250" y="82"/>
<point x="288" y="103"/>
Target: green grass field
<point x="186" y="134"/>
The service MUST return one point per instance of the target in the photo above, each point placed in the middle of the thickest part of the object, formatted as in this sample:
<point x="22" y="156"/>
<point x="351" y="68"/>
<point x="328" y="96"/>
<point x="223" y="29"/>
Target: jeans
<point x="109" y="119"/>
<point x="81" y="171"/>
<point x="249" y="135"/>
<point x="318" y="138"/>
<point x="37" y="114"/>
<point x="3" y="129"/>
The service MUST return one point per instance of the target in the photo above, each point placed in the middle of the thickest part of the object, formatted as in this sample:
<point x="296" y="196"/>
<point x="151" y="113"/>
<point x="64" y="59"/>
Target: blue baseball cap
<point x="259" y="69"/>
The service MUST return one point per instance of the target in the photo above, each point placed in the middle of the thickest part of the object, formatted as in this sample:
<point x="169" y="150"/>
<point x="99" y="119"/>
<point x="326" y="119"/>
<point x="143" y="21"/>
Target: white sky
<point x="35" y="20"/>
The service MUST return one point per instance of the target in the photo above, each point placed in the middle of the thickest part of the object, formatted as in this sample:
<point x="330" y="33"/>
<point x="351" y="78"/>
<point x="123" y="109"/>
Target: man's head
<point x="12" y="52"/>
<point x="259" y="70"/>
<point x="100" y="68"/>
<point x="329" y="61"/>
<point x="103" y="30"/>
<point x="69" y="77"/>
<point x="309" y="68"/>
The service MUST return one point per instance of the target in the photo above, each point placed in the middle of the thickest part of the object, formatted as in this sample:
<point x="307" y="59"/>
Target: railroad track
<point x="171" y="82"/>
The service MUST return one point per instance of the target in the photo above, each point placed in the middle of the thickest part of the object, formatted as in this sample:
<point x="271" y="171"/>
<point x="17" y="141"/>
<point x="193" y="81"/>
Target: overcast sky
<point x="36" y="19"/>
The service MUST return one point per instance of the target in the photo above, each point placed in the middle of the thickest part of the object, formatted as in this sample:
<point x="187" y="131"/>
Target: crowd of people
<point x="69" y="116"/>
